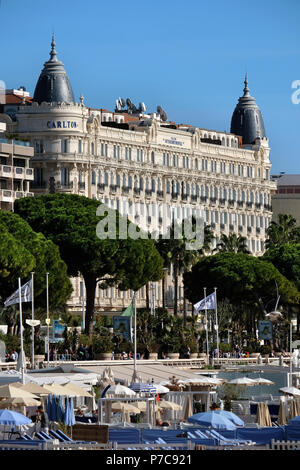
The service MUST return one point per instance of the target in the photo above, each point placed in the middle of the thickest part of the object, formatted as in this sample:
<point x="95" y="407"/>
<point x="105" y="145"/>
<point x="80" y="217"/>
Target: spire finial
<point x="53" y="51"/>
<point x="246" y="89"/>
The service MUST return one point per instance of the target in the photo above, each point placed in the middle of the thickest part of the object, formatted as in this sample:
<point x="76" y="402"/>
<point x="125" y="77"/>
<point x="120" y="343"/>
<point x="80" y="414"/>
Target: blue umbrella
<point x="69" y="418"/>
<point x="49" y="407"/>
<point x="53" y="408"/>
<point x="213" y="420"/>
<point x="231" y="416"/>
<point x="60" y="410"/>
<point x="72" y="414"/>
<point x="9" y="417"/>
<point x="67" y="413"/>
<point x="140" y="387"/>
<point x="294" y="421"/>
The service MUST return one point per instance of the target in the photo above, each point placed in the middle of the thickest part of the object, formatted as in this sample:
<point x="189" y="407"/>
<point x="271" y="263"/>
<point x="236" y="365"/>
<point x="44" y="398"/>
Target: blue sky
<point x="189" y="57"/>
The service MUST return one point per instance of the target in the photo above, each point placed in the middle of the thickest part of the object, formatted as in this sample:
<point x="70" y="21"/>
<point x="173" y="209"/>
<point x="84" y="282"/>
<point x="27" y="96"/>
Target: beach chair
<point x="64" y="436"/>
<point x="219" y="438"/>
<point x="228" y="441"/>
<point x="56" y="436"/>
<point x="40" y="436"/>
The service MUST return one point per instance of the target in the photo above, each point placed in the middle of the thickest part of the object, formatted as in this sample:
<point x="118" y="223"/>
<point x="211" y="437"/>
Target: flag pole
<point x="217" y="324"/>
<point x="134" y="377"/>
<point x="21" y="332"/>
<point x="207" y="350"/>
<point x="32" y="317"/>
<point x="47" y="300"/>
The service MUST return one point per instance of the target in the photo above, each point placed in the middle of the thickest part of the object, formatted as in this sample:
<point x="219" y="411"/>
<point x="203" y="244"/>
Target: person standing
<point x="43" y="419"/>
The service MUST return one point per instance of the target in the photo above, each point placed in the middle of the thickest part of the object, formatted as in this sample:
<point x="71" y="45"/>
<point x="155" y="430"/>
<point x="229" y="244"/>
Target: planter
<point x="254" y="354"/>
<point x="103" y="356"/>
<point x="202" y="355"/>
<point x="173" y="356"/>
<point x="153" y="356"/>
<point x="118" y="357"/>
<point x="193" y="355"/>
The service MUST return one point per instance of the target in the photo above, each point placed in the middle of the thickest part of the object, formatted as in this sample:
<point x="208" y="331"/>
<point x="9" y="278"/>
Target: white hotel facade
<point x="148" y="168"/>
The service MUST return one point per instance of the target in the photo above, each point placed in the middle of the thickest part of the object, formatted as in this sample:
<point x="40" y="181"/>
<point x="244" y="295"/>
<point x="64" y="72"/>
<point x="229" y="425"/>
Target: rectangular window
<point x="80" y="146"/>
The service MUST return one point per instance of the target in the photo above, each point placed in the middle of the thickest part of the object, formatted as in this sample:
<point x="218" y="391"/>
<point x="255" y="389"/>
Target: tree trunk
<point x="147" y="297"/>
<point x="175" y="289"/>
<point x="163" y="291"/>
<point x="90" y="286"/>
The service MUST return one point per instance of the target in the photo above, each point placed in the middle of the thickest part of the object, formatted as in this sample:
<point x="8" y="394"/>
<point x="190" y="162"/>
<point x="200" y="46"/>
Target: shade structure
<point x="203" y="380"/>
<point x="169" y="405"/>
<point x="243" y="381"/>
<point x="120" y="390"/>
<point x="281" y="414"/>
<point x="127" y="407"/>
<point x="13" y="418"/>
<point x="290" y="391"/>
<point x="231" y="416"/>
<point x="18" y="401"/>
<point x="263" y="417"/>
<point x="213" y="420"/>
<point x="10" y="391"/>
<point x="140" y="387"/>
<point x="77" y="391"/>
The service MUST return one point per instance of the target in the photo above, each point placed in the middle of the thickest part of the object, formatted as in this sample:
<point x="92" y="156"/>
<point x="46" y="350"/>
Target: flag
<point x="26" y="295"/>
<point x="128" y="312"/>
<point x="209" y="303"/>
<point x="157" y="398"/>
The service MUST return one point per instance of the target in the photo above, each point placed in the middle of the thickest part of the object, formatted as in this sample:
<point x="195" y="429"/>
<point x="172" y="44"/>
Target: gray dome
<point x="247" y="120"/>
<point x="53" y="83"/>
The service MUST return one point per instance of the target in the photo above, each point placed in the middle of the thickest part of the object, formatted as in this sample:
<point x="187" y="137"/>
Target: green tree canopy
<point x="232" y="243"/>
<point x="283" y="231"/>
<point x="30" y="251"/>
<point x="241" y="278"/>
<point x="70" y="221"/>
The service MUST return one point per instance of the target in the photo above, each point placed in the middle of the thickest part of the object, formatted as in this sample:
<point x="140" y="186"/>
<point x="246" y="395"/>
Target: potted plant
<point x="171" y="345"/>
<point x="103" y="345"/>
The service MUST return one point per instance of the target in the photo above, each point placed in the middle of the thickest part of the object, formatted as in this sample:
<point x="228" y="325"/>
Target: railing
<point x="284" y="445"/>
<point x="154" y="446"/>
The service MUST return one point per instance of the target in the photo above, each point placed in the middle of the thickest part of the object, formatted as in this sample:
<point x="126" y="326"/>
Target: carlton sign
<point x="62" y="124"/>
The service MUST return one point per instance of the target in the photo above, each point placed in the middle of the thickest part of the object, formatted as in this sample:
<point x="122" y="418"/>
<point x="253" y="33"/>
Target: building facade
<point x="286" y="199"/>
<point x="149" y="168"/>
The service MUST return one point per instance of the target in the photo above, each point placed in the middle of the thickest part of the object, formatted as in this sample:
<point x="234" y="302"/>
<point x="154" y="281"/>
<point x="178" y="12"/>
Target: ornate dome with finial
<point x="247" y="120"/>
<point x="53" y="83"/>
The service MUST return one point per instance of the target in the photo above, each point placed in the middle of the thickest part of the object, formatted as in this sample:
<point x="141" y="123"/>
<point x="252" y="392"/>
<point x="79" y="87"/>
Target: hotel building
<point x="149" y="168"/>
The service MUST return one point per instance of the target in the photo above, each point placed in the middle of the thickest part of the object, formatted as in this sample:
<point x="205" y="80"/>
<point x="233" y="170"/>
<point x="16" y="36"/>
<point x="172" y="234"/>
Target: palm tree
<point x="283" y="231"/>
<point x="232" y="243"/>
<point x="174" y="252"/>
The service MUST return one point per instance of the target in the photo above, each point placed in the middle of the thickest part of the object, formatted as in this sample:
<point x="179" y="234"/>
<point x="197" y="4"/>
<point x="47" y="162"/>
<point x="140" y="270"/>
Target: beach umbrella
<point x="231" y="416"/>
<point x="267" y="416"/>
<point x="262" y="381"/>
<point x="294" y="421"/>
<point x="121" y="390"/>
<point x="159" y="388"/>
<point x="243" y="381"/>
<point x="13" y="418"/>
<point x="76" y="389"/>
<point x="60" y="412"/>
<point x="290" y="391"/>
<point x="169" y="405"/>
<point x="49" y="407"/>
<point x="58" y="389"/>
<point x="69" y="417"/>
<point x="140" y="387"/>
<point x="32" y="388"/>
<point x="293" y="408"/>
<point x="127" y="407"/>
<point x="188" y="411"/>
<point x="11" y="391"/>
<point x="18" y="402"/>
<point x="213" y="420"/>
<point x="259" y="414"/>
<point x="281" y="414"/>
<point x="53" y="408"/>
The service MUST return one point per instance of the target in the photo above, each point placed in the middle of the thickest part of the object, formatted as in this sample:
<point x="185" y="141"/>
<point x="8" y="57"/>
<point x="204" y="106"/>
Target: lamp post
<point x="47" y="319"/>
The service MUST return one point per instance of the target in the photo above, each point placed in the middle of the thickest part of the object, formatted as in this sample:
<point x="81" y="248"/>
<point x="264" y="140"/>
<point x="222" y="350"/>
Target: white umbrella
<point x="262" y="381"/>
<point x="127" y="407"/>
<point x="160" y="388"/>
<point x="243" y="381"/>
<point x="120" y="390"/>
<point x="290" y="391"/>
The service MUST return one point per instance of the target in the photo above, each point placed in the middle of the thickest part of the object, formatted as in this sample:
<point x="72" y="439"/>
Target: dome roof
<point x="53" y="83"/>
<point x="247" y="120"/>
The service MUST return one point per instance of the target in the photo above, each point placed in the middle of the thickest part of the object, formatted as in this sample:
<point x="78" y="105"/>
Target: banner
<point x="265" y="329"/>
<point x="209" y="303"/>
<point x="57" y="331"/>
<point x="26" y="295"/>
<point x="122" y="326"/>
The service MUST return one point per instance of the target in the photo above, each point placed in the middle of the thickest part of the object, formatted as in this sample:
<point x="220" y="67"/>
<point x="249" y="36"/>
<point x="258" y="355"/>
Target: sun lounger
<point x="57" y="436"/>
<point x="63" y="435"/>
<point x="226" y="441"/>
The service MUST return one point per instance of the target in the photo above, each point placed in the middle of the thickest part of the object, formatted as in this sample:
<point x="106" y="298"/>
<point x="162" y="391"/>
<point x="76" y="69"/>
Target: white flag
<point x="26" y="295"/>
<point x="208" y="303"/>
